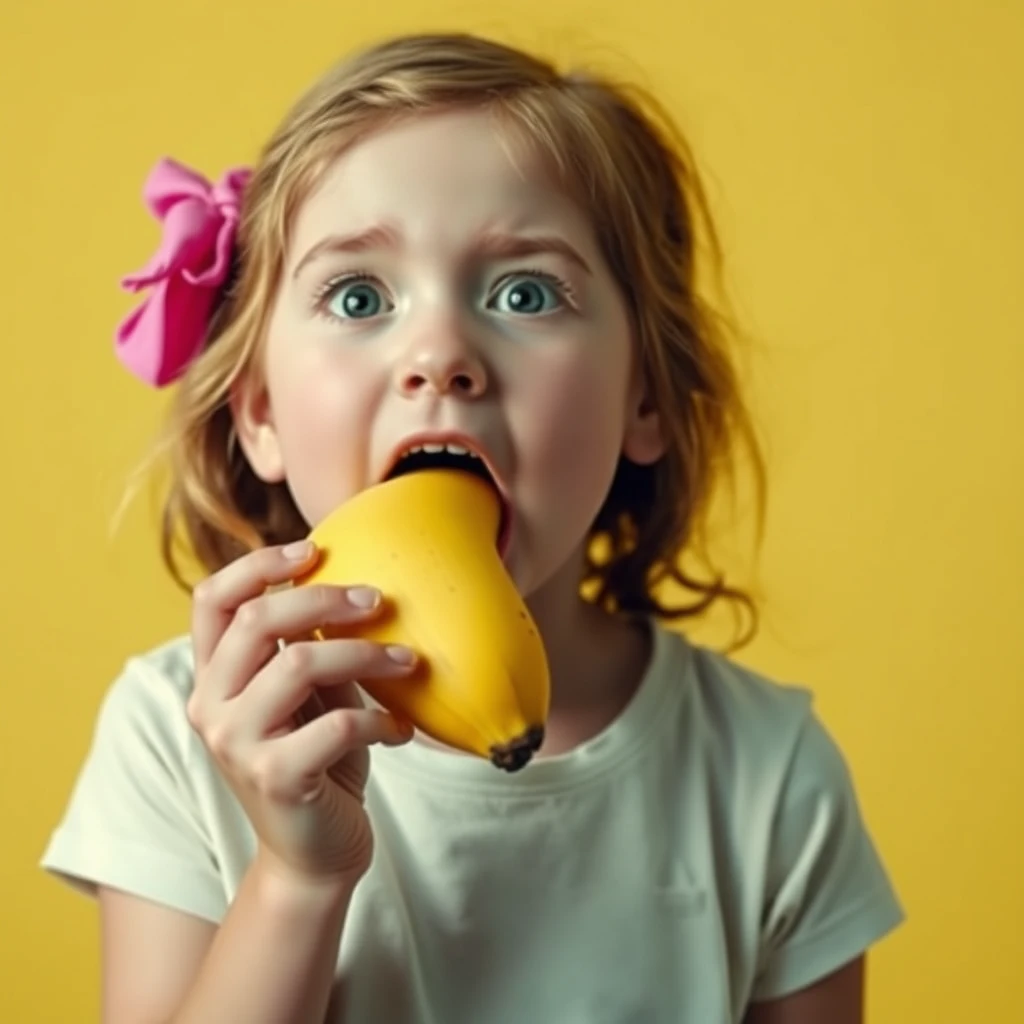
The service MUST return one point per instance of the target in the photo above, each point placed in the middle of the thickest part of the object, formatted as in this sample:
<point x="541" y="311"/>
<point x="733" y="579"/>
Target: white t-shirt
<point x="704" y="850"/>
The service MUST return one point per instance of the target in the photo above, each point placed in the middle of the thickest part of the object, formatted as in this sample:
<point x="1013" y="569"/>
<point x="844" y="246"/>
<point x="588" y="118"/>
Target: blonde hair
<point x="615" y="151"/>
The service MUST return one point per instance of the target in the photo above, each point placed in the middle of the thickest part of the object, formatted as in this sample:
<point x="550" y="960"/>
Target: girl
<point x="448" y="243"/>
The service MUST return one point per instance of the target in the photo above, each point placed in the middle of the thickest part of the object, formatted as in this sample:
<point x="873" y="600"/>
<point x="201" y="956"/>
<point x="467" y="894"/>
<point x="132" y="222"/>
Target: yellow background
<point x="867" y="164"/>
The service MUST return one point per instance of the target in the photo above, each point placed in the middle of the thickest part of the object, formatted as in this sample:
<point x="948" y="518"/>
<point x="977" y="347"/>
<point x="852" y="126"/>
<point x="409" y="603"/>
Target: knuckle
<point x="343" y="728"/>
<point x="204" y="592"/>
<point x="365" y="651"/>
<point x="260" y="772"/>
<point x="297" y="659"/>
<point x="252" y="615"/>
<point x="322" y="603"/>
<point x="194" y="712"/>
<point x="219" y="740"/>
<point x="268" y="776"/>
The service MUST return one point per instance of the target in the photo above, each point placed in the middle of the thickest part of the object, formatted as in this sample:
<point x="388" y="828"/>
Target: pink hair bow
<point x="160" y="338"/>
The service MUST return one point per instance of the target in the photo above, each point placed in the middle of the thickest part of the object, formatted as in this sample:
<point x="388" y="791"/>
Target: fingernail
<point x="401" y="655"/>
<point x="298" y="551"/>
<point x="363" y="597"/>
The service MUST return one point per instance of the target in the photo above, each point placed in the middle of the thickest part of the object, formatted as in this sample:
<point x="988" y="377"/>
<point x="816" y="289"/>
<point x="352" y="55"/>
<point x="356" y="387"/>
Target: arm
<point x="827" y="898"/>
<point x="835" y="999"/>
<point x="271" y="961"/>
<point x="136" y="828"/>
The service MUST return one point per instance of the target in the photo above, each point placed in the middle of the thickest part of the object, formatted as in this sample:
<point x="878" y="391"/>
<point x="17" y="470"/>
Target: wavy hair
<point x="617" y="153"/>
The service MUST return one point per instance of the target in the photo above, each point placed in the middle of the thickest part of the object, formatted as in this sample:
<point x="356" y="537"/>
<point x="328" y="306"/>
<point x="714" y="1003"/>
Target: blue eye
<point x="355" y="299"/>
<point x="527" y="294"/>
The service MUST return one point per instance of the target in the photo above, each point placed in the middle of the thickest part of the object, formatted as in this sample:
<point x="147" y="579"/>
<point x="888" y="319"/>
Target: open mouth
<point x="454" y="456"/>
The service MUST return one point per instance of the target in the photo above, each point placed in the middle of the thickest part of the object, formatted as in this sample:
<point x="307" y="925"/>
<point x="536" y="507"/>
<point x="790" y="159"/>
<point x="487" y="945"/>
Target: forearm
<point x="273" y="958"/>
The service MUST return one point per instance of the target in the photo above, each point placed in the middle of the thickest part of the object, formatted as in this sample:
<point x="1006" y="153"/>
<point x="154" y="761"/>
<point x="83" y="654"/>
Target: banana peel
<point x="428" y="541"/>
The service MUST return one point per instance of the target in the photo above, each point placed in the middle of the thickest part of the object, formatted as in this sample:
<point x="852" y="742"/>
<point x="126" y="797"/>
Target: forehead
<point x="447" y="173"/>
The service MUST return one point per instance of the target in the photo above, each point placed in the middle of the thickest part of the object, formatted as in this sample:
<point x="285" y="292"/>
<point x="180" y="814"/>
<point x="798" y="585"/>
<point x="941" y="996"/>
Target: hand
<point x="300" y="782"/>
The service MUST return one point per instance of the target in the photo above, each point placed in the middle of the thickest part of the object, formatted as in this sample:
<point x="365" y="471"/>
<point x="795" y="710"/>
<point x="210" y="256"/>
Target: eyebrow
<point x="495" y="245"/>
<point x="518" y="246"/>
<point x="379" y="237"/>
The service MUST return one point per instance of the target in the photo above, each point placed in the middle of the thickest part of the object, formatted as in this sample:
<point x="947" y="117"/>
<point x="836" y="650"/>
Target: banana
<point x="427" y="540"/>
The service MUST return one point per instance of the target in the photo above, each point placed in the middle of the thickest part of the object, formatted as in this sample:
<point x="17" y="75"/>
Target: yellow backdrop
<point x="866" y="161"/>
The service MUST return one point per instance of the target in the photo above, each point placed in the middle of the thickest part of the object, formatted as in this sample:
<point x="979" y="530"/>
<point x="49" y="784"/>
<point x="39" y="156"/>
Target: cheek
<point x="321" y="410"/>
<point x="573" y="420"/>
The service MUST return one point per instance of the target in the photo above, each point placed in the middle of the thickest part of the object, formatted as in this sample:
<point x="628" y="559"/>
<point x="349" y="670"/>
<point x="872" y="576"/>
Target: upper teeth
<point x="434" y="449"/>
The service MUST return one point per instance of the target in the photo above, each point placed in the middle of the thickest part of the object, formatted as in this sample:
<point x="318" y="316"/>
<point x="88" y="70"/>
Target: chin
<point x="558" y="581"/>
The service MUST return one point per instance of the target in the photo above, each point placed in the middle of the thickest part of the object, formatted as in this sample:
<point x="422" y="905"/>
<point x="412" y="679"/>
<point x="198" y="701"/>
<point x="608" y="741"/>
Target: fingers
<point x="278" y="691"/>
<point x="298" y="762"/>
<point x="216" y="599"/>
<point x="251" y="639"/>
<point x="294" y="767"/>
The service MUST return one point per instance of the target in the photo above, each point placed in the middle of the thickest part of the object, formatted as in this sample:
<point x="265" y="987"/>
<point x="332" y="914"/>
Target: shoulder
<point x="147" y="813"/>
<point x="169" y="668"/>
<point x="143" y="709"/>
<point x="743" y="716"/>
<point x="790" y="830"/>
<point x="764" y="744"/>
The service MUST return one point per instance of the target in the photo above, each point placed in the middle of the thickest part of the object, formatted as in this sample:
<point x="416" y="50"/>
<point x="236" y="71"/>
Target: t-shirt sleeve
<point x="828" y="895"/>
<point x="133" y="821"/>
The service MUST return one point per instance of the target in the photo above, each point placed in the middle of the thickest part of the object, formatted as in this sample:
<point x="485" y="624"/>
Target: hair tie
<point x="162" y="336"/>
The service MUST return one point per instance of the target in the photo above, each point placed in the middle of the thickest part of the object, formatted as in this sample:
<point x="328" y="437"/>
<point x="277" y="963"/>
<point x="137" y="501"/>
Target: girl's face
<point x="438" y="284"/>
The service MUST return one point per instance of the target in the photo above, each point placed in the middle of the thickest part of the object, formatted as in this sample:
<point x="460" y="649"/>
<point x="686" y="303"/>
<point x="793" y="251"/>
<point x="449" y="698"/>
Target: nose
<point x="441" y="362"/>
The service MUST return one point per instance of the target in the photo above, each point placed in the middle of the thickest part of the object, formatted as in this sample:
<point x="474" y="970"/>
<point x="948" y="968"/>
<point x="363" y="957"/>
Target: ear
<point x="254" y="427"/>
<point x="643" y="441"/>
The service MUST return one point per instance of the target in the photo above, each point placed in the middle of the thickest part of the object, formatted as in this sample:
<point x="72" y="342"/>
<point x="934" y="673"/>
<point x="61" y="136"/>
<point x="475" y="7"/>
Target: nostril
<point x="455" y="381"/>
<point x="414" y="382"/>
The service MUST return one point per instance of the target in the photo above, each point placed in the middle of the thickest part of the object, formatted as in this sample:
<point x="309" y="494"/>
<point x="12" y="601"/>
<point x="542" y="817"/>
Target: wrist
<point x="288" y="888"/>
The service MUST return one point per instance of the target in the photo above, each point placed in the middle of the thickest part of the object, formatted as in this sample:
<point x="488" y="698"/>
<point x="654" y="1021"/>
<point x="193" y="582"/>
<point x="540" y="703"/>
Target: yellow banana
<point x="427" y="540"/>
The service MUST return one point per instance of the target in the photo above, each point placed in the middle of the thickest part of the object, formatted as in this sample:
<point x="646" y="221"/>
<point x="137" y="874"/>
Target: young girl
<point x="448" y="243"/>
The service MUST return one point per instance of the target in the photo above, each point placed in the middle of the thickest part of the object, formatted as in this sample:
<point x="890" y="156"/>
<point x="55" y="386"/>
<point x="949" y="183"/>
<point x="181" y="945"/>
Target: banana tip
<point x="518" y="752"/>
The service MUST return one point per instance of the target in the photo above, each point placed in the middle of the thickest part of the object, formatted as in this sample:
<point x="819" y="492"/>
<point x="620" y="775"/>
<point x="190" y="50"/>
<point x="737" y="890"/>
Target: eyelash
<point x="326" y="291"/>
<point x="558" y="283"/>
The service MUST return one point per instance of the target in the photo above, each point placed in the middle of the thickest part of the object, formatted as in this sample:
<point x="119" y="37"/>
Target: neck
<point x="596" y="659"/>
